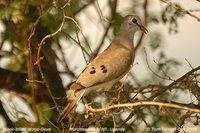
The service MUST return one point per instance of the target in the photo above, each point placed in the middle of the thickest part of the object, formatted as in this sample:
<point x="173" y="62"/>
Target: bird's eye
<point x="134" y="21"/>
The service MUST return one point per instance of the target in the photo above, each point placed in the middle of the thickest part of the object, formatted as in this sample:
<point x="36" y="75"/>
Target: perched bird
<point x="108" y="67"/>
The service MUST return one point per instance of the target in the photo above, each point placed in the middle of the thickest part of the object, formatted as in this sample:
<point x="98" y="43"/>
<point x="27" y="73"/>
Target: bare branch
<point x="142" y="103"/>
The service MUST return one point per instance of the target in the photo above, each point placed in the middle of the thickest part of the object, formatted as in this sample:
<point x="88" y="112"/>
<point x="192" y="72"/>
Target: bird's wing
<point x="111" y="64"/>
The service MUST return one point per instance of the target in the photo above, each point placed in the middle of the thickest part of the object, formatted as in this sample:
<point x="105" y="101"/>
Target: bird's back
<point x="107" y="66"/>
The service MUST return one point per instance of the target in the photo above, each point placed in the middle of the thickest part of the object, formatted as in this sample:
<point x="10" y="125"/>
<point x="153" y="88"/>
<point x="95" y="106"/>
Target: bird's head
<point x="133" y="23"/>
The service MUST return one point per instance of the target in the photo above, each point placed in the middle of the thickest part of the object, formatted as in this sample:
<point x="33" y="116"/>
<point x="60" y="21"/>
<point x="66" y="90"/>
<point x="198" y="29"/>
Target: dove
<point x="108" y="67"/>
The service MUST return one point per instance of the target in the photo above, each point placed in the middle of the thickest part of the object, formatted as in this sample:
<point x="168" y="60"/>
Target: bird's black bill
<point x="143" y="29"/>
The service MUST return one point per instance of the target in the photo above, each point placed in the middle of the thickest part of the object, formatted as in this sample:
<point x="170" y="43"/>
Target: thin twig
<point x="35" y="81"/>
<point x="113" y="13"/>
<point x="79" y="42"/>
<point x="139" y="43"/>
<point x="114" y="123"/>
<point x="39" y="58"/>
<point x="189" y="63"/>
<point x="101" y="14"/>
<point x="177" y="124"/>
<point x="162" y="90"/>
<point x="83" y="48"/>
<point x="168" y="2"/>
<point x="148" y="65"/>
<point x="128" y="118"/>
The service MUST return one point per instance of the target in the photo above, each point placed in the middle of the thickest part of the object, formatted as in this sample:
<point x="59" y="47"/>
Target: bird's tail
<point x="76" y="92"/>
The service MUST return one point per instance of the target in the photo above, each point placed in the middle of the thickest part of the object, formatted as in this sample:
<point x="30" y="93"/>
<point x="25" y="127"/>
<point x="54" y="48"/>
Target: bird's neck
<point x="125" y="40"/>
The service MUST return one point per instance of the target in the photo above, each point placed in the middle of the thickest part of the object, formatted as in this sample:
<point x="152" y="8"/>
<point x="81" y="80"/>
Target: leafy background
<point x="45" y="45"/>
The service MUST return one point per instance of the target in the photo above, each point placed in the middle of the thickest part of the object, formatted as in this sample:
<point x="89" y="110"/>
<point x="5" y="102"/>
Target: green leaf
<point x="96" y="105"/>
<point x="5" y="13"/>
<point x="117" y="23"/>
<point x="155" y="41"/>
<point x="17" y="16"/>
<point x="22" y="123"/>
<point x="44" y="112"/>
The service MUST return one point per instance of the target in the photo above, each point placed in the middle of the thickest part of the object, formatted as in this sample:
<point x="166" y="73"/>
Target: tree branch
<point x="162" y="90"/>
<point x="142" y="103"/>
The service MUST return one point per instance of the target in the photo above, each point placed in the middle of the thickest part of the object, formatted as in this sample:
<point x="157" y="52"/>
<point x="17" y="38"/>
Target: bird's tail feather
<point x="76" y="95"/>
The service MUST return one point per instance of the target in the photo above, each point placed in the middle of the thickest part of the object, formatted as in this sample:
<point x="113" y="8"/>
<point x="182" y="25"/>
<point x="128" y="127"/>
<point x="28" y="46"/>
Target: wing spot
<point x="103" y="68"/>
<point x="105" y="71"/>
<point x="93" y="71"/>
